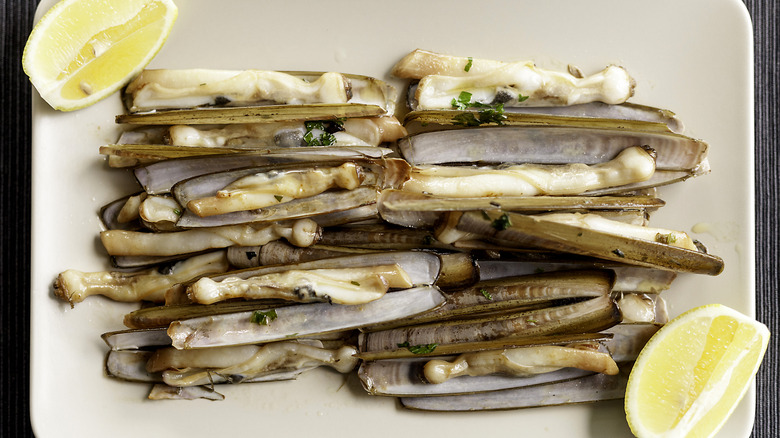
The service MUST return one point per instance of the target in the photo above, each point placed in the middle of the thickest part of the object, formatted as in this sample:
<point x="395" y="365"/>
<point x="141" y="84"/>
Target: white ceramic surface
<point x="693" y="57"/>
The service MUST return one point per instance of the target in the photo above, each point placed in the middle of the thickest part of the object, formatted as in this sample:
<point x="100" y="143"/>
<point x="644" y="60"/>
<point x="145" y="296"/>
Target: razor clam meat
<point x="147" y="285"/>
<point x="339" y="286"/>
<point x="366" y="131"/>
<point x="166" y="89"/>
<point x="303" y="232"/>
<point x="162" y="391"/>
<point x="519" y="362"/>
<point x="224" y="364"/>
<point x="631" y="165"/>
<point x="525" y="84"/>
<point x="274" y="187"/>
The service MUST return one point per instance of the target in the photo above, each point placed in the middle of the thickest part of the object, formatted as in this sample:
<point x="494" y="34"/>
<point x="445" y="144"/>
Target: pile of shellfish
<point x="483" y="245"/>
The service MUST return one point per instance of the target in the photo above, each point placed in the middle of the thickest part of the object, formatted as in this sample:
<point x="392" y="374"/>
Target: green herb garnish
<point x="326" y="138"/>
<point x="521" y="98"/>
<point x="177" y="212"/>
<point x="618" y="253"/>
<point x="486" y="294"/>
<point x="418" y="349"/>
<point x="468" y="64"/>
<point x="262" y="318"/>
<point x="355" y="283"/>
<point x="502" y="223"/>
<point x="278" y="198"/>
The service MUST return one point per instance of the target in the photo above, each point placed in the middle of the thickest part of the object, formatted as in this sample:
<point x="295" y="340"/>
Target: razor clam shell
<point x="585" y="389"/>
<point x="324" y="203"/>
<point x="548" y="145"/>
<point x="251" y="114"/>
<point x="130" y="365"/>
<point x="626" y="115"/>
<point x="627" y="278"/>
<point x="160" y="177"/>
<point x="135" y="339"/>
<point x="590" y="315"/>
<point x="161" y="391"/>
<point x="275" y="253"/>
<point x="403" y="377"/>
<point x="528" y="230"/>
<point x="628" y="340"/>
<point x="301" y="320"/>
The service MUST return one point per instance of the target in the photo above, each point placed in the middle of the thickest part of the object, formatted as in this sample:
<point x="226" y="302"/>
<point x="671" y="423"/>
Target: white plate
<point x="693" y="57"/>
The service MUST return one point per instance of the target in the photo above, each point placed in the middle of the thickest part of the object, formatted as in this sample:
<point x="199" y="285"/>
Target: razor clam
<point x="365" y="131"/>
<point x="255" y="188"/>
<point x="628" y="339"/>
<point x="337" y="286"/>
<point x="631" y="165"/>
<point x="302" y="232"/>
<point x="262" y="360"/>
<point x="568" y="143"/>
<point x="147" y="285"/>
<point x="166" y="89"/>
<point x="510" y="83"/>
<point x="516" y="294"/>
<point x="595" y="114"/>
<point x="377" y="236"/>
<point x="411" y="377"/>
<point x="524" y="230"/>
<point x="627" y="278"/>
<point x="136" y="338"/>
<point x="159" y="177"/>
<point x="584" y="389"/>
<point x="585" y="316"/>
<point x="301" y="320"/>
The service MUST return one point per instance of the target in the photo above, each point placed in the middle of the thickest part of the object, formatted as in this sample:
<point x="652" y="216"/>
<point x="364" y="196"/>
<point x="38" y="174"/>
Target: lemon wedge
<point x="692" y="373"/>
<point x="82" y="51"/>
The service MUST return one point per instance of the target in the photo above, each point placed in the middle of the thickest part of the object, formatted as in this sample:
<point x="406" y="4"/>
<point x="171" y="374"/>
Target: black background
<point x="16" y="17"/>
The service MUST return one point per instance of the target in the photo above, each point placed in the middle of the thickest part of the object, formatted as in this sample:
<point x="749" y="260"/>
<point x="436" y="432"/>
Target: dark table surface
<point x="15" y="92"/>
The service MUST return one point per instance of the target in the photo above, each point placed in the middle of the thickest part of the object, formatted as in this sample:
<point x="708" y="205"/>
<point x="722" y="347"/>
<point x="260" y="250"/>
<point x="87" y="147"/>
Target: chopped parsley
<point x="468" y="64"/>
<point x="428" y="240"/>
<point x="418" y="349"/>
<point x="502" y="223"/>
<point x="355" y="283"/>
<point x="486" y="294"/>
<point x="278" y="198"/>
<point x="177" y="212"/>
<point x="487" y="113"/>
<point x="618" y="253"/>
<point x="320" y="132"/>
<point x="262" y="318"/>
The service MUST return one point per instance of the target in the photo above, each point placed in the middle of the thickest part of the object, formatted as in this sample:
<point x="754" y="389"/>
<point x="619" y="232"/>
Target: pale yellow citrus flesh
<point x="693" y="372"/>
<point x="84" y="50"/>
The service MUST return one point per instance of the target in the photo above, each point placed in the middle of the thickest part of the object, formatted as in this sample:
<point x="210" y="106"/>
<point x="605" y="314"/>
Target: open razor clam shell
<point x="550" y="145"/>
<point x="532" y="231"/>
<point x="418" y="210"/>
<point x="404" y="377"/>
<point x="159" y="177"/>
<point x="591" y="388"/>
<point x="626" y="115"/>
<point x="169" y="89"/>
<point x="421" y="267"/>
<point x="326" y="203"/>
<point x="591" y="315"/>
<point x="301" y="320"/>
<point x="130" y="365"/>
